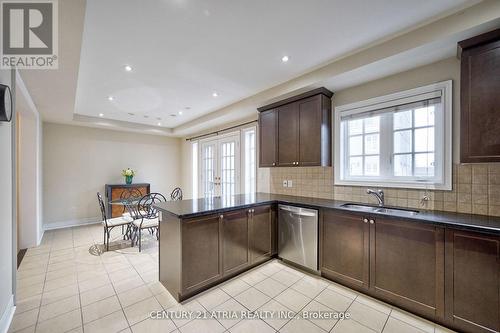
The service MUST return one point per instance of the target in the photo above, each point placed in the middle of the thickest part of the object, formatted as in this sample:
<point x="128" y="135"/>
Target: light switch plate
<point x="290" y="183"/>
<point x="285" y="183"/>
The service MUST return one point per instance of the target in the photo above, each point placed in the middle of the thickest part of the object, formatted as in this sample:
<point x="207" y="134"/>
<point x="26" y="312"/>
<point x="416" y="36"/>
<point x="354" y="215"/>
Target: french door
<point x="220" y="166"/>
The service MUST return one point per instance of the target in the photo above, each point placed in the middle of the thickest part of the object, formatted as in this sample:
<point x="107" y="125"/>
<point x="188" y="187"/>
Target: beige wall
<point x="476" y="188"/>
<point x="6" y="231"/>
<point x="78" y="161"/>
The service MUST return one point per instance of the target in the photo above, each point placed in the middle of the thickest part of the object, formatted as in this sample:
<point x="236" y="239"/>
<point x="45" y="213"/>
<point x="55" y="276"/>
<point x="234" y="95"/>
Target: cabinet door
<point x="263" y="232"/>
<point x="268" y="132"/>
<point x="344" y="248"/>
<point x="288" y="135"/>
<point x="480" y="104"/>
<point x="472" y="281"/>
<point x="310" y="120"/>
<point x="235" y="255"/>
<point x="407" y="265"/>
<point x="200" y="252"/>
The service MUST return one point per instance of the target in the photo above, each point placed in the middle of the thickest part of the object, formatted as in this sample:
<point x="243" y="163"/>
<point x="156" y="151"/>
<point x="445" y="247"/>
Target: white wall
<point x="79" y="161"/>
<point x="6" y="217"/>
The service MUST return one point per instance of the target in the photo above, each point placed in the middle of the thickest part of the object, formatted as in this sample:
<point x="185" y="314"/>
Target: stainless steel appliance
<point x="298" y="236"/>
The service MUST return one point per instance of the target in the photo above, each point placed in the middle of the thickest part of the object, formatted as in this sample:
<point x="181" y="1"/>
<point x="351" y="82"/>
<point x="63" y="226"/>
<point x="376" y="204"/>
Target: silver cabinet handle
<point x="372" y="221"/>
<point x="365" y="220"/>
<point x="274" y="163"/>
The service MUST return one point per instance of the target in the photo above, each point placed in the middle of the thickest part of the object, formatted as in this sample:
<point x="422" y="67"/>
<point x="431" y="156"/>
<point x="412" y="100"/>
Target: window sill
<point x="388" y="184"/>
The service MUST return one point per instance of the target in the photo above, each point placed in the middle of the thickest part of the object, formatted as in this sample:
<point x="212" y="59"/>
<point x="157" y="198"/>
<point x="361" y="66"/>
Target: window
<point x="250" y="167"/>
<point x="194" y="176"/>
<point x="399" y="140"/>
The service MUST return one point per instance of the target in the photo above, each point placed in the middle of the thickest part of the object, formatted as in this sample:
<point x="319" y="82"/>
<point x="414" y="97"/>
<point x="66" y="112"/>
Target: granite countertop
<point x="191" y="208"/>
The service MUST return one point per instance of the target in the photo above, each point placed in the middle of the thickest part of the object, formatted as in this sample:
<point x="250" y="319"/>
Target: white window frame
<point x="399" y="98"/>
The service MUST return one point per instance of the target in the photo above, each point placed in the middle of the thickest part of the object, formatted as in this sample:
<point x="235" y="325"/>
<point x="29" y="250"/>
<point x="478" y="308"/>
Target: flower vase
<point x="128" y="179"/>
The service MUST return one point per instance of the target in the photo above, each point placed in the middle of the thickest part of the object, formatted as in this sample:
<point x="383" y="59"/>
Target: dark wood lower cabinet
<point x="263" y="233"/>
<point x="235" y="241"/>
<point x="472" y="281"/>
<point x="201" y="239"/>
<point x="344" y="248"/>
<point x="407" y="265"/>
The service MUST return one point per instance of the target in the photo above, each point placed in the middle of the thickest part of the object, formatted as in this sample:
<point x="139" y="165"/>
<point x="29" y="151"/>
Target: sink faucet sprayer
<point x="379" y="195"/>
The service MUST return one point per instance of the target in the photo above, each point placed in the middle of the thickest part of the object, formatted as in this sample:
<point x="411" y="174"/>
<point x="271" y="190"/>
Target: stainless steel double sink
<point x="380" y="209"/>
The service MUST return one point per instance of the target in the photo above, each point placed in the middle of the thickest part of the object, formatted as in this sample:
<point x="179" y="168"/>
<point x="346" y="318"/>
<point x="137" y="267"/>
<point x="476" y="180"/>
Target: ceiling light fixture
<point x="215" y="94"/>
<point x="110" y="98"/>
<point x="101" y="114"/>
<point x="180" y="113"/>
<point x="128" y="68"/>
<point x="284" y="59"/>
<point x="159" y="124"/>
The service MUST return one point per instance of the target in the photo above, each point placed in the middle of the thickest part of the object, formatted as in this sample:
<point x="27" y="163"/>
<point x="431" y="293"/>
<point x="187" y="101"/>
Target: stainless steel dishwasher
<point x="298" y="236"/>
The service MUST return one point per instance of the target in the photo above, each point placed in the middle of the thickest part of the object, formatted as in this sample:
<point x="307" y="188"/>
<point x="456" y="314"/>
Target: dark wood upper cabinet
<point x="297" y="131"/>
<point x="472" y="281"/>
<point x="480" y="98"/>
<point x="268" y="122"/>
<point x="288" y="135"/>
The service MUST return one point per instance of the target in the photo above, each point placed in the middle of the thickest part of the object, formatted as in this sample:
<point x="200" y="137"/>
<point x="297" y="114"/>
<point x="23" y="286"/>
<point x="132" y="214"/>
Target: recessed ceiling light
<point x="284" y="59"/>
<point x="215" y="94"/>
<point x="159" y="124"/>
<point x="128" y="68"/>
<point x="101" y="114"/>
<point x="180" y="113"/>
<point x="110" y="98"/>
<point x="173" y="115"/>
<point x="187" y="108"/>
<point x="146" y="116"/>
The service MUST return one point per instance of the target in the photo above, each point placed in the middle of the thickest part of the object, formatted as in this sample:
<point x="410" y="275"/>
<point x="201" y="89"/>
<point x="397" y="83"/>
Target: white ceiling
<point x="181" y="51"/>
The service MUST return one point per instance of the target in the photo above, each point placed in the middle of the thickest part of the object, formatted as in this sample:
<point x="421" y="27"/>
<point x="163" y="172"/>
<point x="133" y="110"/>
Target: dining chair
<point x="128" y="194"/>
<point x="109" y="224"/>
<point x="176" y="194"/>
<point x="147" y="217"/>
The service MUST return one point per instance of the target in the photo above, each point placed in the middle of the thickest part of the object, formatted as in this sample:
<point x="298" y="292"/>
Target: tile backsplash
<point x="476" y="189"/>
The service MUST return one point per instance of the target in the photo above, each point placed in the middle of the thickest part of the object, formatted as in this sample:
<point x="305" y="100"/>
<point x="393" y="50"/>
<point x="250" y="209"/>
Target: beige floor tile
<point x="310" y="286"/>
<point x="154" y="326"/>
<point x="285" y="277"/>
<point x="343" y="290"/>
<point x="93" y="283"/>
<point x="188" y="307"/>
<point x="30" y="272"/>
<point x="279" y="314"/>
<point x="59" y="283"/>
<point x="29" y="291"/>
<point x="156" y="287"/>
<point x="230" y="306"/>
<point x="368" y="316"/>
<point x="397" y="326"/>
<point x="212" y="298"/>
<point x="23" y="320"/>
<point x="202" y="325"/>
<point x="292" y="299"/>
<point x="333" y="300"/>
<point x="92" y="275"/>
<point x="30" y="280"/>
<point x="134" y="295"/>
<point x="300" y="325"/>
<point x="29" y="303"/>
<point x="97" y="294"/>
<point x="140" y="311"/>
<point x="413" y="320"/>
<point x="59" y="294"/>
<point x="318" y="308"/>
<point x="253" y="277"/>
<point x="58" y="308"/>
<point x="128" y="284"/>
<point x="62" y="323"/>
<point x="270" y="268"/>
<point x="252" y="326"/>
<point x="375" y="304"/>
<point x="235" y="287"/>
<point x="30" y="329"/>
<point x="351" y="326"/>
<point x="100" y="309"/>
<point x="252" y="299"/>
<point x="111" y="323"/>
<point x="270" y="287"/>
<point x="166" y="300"/>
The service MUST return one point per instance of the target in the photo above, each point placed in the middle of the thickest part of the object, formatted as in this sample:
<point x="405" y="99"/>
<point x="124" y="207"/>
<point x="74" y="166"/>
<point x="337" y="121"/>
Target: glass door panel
<point x="208" y="169"/>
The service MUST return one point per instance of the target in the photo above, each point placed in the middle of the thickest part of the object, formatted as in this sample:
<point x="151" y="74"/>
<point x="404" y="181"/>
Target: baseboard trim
<point x="7" y="316"/>
<point x="71" y="223"/>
